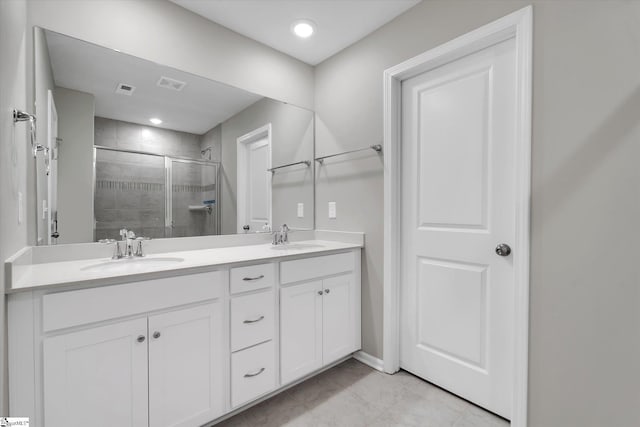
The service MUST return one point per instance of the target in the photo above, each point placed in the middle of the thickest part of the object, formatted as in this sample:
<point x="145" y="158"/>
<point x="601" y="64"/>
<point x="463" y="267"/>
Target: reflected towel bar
<point x="305" y="162"/>
<point x="377" y="148"/>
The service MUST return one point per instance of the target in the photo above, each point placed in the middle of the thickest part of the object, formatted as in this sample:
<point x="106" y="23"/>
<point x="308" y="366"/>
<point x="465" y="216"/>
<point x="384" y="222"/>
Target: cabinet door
<point x="186" y="386"/>
<point x="338" y="318"/>
<point x="300" y="330"/>
<point x="97" y="377"/>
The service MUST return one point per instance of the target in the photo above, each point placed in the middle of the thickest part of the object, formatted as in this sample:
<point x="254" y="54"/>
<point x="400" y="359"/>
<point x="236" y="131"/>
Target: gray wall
<point x="14" y="152"/>
<point x="43" y="83"/>
<point x="75" y="165"/>
<point x="291" y="141"/>
<point x="585" y="297"/>
<point x="165" y="33"/>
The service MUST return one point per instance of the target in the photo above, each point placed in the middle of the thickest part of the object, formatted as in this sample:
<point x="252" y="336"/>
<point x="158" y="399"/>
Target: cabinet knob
<point x="319" y="292"/>
<point x="156" y="334"/>
<point x="326" y="291"/>
<point x="141" y="338"/>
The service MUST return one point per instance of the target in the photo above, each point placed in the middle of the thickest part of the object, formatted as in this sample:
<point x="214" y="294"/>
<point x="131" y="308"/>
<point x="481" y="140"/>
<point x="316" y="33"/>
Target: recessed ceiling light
<point x="155" y="121"/>
<point x="303" y="28"/>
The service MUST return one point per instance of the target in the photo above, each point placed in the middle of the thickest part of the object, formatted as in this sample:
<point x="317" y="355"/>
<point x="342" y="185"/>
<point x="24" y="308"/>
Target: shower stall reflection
<point x="154" y="195"/>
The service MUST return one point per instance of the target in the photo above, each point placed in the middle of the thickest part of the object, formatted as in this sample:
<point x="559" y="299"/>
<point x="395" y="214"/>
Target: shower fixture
<point x="204" y="152"/>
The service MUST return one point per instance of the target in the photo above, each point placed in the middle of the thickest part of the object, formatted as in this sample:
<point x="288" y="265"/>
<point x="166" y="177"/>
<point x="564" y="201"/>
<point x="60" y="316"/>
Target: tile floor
<point x="354" y="395"/>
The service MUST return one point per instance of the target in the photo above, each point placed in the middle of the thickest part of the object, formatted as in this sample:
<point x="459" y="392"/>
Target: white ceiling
<point x="86" y="67"/>
<point x="339" y="23"/>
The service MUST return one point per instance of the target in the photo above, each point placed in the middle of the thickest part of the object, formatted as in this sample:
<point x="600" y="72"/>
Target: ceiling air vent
<point x="172" y="84"/>
<point x="125" y="89"/>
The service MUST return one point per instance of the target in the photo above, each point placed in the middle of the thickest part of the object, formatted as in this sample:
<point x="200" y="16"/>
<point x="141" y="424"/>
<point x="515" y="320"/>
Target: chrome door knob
<point x="503" y="249"/>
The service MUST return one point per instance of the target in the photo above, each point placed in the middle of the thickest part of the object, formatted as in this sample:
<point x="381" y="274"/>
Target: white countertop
<point x="88" y="272"/>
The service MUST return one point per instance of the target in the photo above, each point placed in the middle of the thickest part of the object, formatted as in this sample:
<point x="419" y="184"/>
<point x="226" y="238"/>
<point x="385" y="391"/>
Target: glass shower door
<point x="129" y="193"/>
<point x="194" y="204"/>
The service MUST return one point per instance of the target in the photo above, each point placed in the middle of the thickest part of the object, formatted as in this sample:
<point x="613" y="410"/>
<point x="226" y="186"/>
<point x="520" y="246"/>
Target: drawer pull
<point x="249" y="279"/>
<point x="254" y="374"/>
<point x="254" y="320"/>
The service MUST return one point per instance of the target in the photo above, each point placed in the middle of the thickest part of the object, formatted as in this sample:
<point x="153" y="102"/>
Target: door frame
<point x="52" y="143"/>
<point x="519" y="26"/>
<point x="241" y="172"/>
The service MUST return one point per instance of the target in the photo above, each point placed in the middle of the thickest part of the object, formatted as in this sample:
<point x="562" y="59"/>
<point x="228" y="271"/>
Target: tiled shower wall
<point x="193" y="184"/>
<point x="129" y="193"/>
<point x="130" y="187"/>
<point x="132" y="136"/>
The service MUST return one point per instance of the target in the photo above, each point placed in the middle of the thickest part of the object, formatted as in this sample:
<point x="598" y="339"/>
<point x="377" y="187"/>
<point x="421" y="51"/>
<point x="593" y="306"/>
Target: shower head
<point x="204" y="152"/>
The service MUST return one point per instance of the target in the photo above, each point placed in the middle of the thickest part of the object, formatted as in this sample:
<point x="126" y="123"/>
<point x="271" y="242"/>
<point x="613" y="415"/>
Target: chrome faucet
<point x="281" y="237"/>
<point x="128" y="237"/>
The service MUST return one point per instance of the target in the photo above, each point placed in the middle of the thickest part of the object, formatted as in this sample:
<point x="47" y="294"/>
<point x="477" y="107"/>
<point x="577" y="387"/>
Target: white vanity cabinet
<point x="102" y="373"/>
<point x="180" y="351"/>
<point x="319" y="312"/>
<point x="149" y="353"/>
<point x="97" y="374"/>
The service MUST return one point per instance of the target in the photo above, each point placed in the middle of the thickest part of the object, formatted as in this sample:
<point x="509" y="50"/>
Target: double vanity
<point x="178" y="338"/>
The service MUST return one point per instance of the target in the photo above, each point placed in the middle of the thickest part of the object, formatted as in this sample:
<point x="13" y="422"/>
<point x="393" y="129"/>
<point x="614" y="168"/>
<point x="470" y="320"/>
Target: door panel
<point x="300" y="330"/>
<point x="337" y="318"/>
<point x="259" y="203"/>
<point x="254" y="182"/>
<point x="444" y="105"/>
<point x="97" y="377"/>
<point x="457" y="204"/>
<point x="186" y="366"/>
<point x="453" y="294"/>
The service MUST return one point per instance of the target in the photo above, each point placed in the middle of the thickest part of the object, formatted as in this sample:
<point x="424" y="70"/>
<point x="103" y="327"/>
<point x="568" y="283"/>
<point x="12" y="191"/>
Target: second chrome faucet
<point x="281" y="237"/>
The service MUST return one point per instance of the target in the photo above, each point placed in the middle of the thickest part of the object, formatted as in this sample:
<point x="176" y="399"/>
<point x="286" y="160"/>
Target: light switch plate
<point x="332" y="210"/>
<point x="300" y="210"/>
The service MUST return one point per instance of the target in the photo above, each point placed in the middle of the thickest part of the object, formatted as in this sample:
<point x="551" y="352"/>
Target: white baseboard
<point x="369" y="360"/>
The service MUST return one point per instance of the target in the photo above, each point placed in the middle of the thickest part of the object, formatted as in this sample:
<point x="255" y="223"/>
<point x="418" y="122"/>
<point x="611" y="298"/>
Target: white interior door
<point x="458" y="204"/>
<point x="254" y="180"/>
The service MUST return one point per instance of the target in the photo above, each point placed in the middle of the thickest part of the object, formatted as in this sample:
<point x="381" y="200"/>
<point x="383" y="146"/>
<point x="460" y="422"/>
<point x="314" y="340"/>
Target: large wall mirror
<point x="129" y="143"/>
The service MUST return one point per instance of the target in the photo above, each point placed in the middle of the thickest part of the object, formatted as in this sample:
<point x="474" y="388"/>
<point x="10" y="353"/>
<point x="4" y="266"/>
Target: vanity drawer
<point x="73" y="308"/>
<point x="311" y="268"/>
<point x="252" y="319"/>
<point x="251" y="277"/>
<point x="253" y="373"/>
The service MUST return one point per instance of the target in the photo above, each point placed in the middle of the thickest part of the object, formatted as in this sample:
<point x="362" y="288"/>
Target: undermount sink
<point x="133" y="264"/>
<point x="295" y="246"/>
